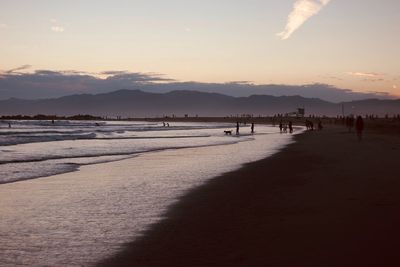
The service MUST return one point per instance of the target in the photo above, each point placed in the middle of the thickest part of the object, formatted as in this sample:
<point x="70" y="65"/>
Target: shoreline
<point x="315" y="203"/>
<point x="90" y="213"/>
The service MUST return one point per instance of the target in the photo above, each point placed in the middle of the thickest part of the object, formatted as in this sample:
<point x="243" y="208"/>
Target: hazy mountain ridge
<point x="52" y="84"/>
<point x="136" y="103"/>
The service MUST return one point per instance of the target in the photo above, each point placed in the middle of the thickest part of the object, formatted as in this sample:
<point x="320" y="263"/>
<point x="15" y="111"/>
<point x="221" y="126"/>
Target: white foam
<point x="41" y="149"/>
<point x="76" y="219"/>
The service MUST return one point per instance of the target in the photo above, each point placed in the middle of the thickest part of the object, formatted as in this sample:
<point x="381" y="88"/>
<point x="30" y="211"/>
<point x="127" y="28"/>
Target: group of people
<point x="238" y="128"/>
<point x="310" y="125"/>
<point x="349" y="121"/>
<point x="283" y="127"/>
<point x="358" y="122"/>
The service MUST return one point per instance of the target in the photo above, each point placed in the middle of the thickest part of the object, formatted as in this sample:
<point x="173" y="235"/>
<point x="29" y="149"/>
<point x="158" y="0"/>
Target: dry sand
<point x="326" y="200"/>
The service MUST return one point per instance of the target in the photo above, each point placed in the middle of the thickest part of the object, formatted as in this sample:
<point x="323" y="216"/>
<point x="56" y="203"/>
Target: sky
<point x="350" y="44"/>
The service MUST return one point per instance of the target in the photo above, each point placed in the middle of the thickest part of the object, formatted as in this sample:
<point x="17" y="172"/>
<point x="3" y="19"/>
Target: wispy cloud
<point x="365" y="74"/>
<point x="331" y="77"/>
<point x="57" y="29"/>
<point x="374" y="80"/>
<point x="56" y="26"/>
<point x="16" y="70"/>
<point x="302" y="11"/>
<point x="3" y="26"/>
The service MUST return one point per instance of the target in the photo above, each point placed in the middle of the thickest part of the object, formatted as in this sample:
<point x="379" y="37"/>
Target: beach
<point x="199" y="133"/>
<point x="325" y="200"/>
<point x="73" y="193"/>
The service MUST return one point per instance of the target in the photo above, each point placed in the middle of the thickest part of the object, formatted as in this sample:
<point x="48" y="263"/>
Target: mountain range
<point x="41" y="84"/>
<point x="137" y="103"/>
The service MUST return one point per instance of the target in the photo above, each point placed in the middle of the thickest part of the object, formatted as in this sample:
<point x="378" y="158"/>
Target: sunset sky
<point x="351" y="44"/>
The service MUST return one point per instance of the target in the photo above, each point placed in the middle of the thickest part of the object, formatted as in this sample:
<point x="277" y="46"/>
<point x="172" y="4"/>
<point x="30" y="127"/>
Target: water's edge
<point x="104" y="206"/>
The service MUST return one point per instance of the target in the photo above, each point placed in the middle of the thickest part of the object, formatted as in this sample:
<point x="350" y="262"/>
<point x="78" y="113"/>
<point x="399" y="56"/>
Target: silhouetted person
<point x="320" y="127"/>
<point x="163" y="124"/>
<point x="350" y="123"/>
<point x="309" y="125"/>
<point x="167" y="124"/>
<point x="52" y="121"/>
<point x="237" y="128"/>
<point x="312" y="126"/>
<point x="252" y="127"/>
<point x="290" y="127"/>
<point x="280" y="126"/>
<point x="9" y="125"/>
<point x="359" y="127"/>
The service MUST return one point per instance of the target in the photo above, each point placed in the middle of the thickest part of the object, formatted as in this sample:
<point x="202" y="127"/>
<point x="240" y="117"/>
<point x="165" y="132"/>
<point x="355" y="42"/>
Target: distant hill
<point x="41" y="84"/>
<point x="136" y="103"/>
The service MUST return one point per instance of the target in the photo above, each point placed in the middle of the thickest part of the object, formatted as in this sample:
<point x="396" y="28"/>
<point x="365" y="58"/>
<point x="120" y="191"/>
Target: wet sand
<point x="326" y="200"/>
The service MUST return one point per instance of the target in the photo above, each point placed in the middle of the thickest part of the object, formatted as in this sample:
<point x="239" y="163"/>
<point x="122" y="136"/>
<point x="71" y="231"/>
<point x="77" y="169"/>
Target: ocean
<point x="74" y="192"/>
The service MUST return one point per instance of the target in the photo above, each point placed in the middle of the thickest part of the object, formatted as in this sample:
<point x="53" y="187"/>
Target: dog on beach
<point x="228" y="132"/>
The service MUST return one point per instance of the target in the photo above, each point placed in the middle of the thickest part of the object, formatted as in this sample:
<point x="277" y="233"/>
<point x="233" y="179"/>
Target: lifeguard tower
<point x="300" y="113"/>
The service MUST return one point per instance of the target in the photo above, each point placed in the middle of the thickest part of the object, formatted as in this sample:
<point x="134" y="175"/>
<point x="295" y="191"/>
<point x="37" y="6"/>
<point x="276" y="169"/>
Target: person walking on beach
<point x="252" y="127"/>
<point x="309" y="125"/>
<point x="237" y="128"/>
<point x="290" y="127"/>
<point x="359" y="127"/>
<point x="350" y="123"/>
<point x="280" y="126"/>
<point x="320" y="127"/>
<point x="285" y="128"/>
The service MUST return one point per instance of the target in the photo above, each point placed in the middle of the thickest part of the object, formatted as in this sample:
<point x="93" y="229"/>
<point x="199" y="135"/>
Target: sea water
<point x="73" y="193"/>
